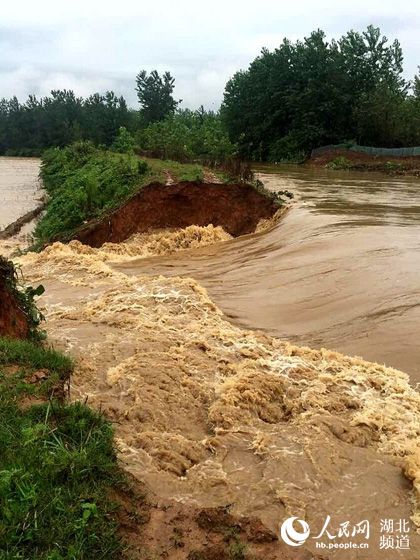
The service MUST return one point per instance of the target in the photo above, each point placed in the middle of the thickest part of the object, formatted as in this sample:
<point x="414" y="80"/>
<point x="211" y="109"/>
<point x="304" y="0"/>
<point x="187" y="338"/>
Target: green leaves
<point x="24" y="296"/>
<point x="154" y="93"/>
<point x="58" y="120"/>
<point x="188" y="136"/>
<point x="316" y="92"/>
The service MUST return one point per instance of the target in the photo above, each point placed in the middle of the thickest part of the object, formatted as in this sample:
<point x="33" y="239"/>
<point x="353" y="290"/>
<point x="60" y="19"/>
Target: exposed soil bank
<point x="13" y="322"/>
<point x="359" y="161"/>
<point x="236" y="208"/>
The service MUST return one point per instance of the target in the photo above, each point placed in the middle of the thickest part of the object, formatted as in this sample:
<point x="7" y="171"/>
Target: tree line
<point x="60" y="119"/>
<point x="317" y="92"/>
<point x="300" y="96"/>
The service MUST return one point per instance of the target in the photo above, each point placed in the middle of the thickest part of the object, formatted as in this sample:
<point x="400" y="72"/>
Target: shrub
<point x="124" y="143"/>
<point x="339" y="162"/>
<point x="187" y="136"/>
<point x="25" y="297"/>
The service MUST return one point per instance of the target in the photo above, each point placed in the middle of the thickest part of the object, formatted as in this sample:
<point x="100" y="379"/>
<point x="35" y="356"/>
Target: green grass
<point x="57" y="464"/>
<point x="178" y="171"/>
<point x="84" y="182"/>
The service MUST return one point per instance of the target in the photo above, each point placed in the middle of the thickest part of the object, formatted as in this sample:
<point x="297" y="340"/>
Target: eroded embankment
<point x="210" y="414"/>
<point x="13" y="321"/>
<point x="237" y="208"/>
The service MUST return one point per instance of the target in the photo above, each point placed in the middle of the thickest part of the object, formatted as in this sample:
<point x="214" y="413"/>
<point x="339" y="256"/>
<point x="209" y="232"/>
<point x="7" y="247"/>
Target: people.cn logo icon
<point x="289" y="534"/>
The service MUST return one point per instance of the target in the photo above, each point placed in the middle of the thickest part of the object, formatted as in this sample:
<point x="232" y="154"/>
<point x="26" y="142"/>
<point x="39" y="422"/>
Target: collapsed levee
<point x="237" y="208"/>
<point x="210" y="414"/>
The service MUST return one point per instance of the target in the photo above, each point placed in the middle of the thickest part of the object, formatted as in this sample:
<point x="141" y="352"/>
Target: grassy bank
<point x="57" y="463"/>
<point x="84" y="182"/>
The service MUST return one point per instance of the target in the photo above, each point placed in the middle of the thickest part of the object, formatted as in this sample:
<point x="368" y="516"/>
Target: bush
<point x="84" y="181"/>
<point x="124" y="142"/>
<point x="339" y="162"/>
<point x="187" y="136"/>
<point x="24" y="296"/>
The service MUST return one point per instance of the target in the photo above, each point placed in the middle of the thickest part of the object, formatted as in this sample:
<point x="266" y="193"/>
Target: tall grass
<point x="57" y="464"/>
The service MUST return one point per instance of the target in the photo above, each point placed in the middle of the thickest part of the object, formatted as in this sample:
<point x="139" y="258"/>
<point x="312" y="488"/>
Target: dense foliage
<point x="187" y="136"/>
<point x="57" y="463"/>
<point x="302" y="95"/>
<point x="154" y="93"/>
<point x="314" y="92"/>
<point x="59" y="120"/>
<point x="84" y="181"/>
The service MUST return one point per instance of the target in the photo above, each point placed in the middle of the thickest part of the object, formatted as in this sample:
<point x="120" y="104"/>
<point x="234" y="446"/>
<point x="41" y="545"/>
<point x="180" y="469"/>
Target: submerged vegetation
<point x="340" y="162"/>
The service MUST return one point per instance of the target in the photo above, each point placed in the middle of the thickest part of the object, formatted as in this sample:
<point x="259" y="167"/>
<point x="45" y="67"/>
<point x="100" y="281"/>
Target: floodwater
<point x="209" y="413"/>
<point x="19" y="188"/>
<point x="340" y="271"/>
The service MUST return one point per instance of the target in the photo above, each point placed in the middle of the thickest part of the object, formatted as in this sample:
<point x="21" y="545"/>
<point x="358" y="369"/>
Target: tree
<point x="315" y="92"/>
<point x="60" y="119"/>
<point x="155" y="95"/>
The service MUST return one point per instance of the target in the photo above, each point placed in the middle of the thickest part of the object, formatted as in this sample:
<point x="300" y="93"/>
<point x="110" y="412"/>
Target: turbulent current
<point x="210" y="413"/>
<point x="340" y="271"/>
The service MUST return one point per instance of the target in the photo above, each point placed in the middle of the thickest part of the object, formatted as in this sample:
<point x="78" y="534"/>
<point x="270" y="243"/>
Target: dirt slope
<point x="236" y="208"/>
<point x="13" y="322"/>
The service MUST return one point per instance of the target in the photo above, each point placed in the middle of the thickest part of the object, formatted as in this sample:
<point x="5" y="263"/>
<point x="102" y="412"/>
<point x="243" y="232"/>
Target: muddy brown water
<point x="19" y="188"/>
<point x="341" y="270"/>
<point x="207" y="413"/>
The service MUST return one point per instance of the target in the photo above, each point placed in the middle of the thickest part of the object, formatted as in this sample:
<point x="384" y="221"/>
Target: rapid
<point x="194" y="344"/>
<point x="340" y="270"/>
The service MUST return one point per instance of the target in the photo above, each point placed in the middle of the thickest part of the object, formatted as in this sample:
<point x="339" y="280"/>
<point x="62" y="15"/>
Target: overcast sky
<point x="95" y="45"/>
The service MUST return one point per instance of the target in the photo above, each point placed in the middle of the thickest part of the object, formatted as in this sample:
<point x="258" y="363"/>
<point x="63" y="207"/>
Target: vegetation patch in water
<point x="339" y="162"/>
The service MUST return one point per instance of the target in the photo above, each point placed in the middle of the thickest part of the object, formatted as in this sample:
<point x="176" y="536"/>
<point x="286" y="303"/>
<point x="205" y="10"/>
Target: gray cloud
<point x="99" y="45"/>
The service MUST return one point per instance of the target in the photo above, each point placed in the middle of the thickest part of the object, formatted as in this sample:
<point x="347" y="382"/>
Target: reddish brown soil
<point x="365" y="162"/>
<point x="13" y="322"/>
<point x="237" y="208"/>
<point x="153" y="528"/>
